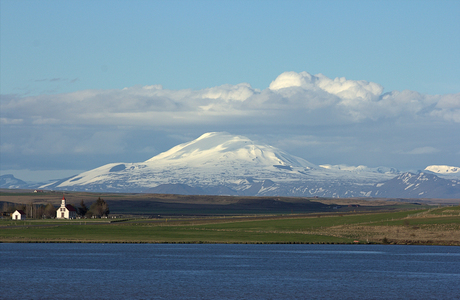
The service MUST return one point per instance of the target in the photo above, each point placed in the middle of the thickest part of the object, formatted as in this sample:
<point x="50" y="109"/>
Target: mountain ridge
<point x="224" y="164"/>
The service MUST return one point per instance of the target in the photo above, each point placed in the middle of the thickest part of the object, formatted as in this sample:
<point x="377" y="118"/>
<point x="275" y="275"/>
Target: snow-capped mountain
<point x="444" y="171"/>
<point x="212" y="159"/>
<point x="422" y="185"/>
<point x="223" y="164"/>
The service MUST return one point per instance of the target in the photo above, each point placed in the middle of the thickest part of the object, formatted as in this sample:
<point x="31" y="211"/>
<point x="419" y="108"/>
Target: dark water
<point x="150" y="271"/>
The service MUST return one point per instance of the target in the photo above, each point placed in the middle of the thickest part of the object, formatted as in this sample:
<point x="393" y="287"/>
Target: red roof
<point x="63" y="198"/>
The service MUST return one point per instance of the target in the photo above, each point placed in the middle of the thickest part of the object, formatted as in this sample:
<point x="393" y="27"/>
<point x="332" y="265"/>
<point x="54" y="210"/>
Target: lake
<point x="218" y="271"/>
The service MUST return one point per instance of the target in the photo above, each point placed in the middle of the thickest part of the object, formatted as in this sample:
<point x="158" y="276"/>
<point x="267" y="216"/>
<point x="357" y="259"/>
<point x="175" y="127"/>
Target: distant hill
<point x="422" y="185"/>
<point x="8" y="181"/>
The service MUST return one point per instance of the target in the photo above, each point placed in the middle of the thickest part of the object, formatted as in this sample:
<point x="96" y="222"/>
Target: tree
<point x="11" y="208"/>
<point x="39" y="211"/>
<point x="89" y="214"/>
<point x="20" y="207"/>
<point x="99" y="208"/>
<point x="82" y="210"/>
<point x="8" y="207"/>
<point x="50" y="211"/>
<point x="30" y="210"/>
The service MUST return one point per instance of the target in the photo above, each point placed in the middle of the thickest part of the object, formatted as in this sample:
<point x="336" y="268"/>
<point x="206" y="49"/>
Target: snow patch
<point x="443" y="170"/>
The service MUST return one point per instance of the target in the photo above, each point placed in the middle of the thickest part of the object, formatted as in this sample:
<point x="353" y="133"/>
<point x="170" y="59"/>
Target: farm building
<point x="66" y="211"/>
<point x="18" y="215"/>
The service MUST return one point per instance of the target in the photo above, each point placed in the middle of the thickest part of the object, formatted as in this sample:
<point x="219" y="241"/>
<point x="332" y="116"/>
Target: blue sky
<point x="57" y="53"/>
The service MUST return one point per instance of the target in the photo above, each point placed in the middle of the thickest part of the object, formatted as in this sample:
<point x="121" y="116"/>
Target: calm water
<point x="150" y="271"/>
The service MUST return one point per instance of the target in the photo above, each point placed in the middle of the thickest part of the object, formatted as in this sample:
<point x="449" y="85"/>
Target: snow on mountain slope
<point x="444" y="171"/>
<point x="421" y="185"/>
<point x="218" y="162"/>
<point x="212" y="158"/>
<point x="222" y="147"/>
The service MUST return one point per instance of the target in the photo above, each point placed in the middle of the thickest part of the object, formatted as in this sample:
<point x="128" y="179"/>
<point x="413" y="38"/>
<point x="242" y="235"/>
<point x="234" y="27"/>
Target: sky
<point x="86" y="83"/>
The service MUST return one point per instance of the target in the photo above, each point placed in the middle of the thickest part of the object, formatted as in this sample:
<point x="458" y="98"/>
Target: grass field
<point x="163" y="218"/>
<point x="439" y="226"/>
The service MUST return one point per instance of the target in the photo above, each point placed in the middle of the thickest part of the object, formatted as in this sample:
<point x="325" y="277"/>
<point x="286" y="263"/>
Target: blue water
<point x="178" y="271"/>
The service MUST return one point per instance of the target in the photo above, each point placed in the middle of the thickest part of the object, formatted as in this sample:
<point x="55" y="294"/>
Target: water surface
<point x="200" y="271"/>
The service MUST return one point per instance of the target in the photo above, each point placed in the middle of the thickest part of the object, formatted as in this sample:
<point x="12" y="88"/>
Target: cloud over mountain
<point x="352" y="121"/>
<point x="347" y="100"/>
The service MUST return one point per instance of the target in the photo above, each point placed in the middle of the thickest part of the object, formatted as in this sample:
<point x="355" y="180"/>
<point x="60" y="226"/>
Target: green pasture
<point x="270" y="229"/>
<point x="137" y="233"/>
<point x="419" y="221"/>
<point x="313" y="222"/>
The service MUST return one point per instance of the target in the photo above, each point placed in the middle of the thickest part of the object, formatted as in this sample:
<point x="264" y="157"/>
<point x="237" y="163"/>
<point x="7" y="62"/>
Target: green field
<point x="166" y="218"/>
<point x="424" y="226"/>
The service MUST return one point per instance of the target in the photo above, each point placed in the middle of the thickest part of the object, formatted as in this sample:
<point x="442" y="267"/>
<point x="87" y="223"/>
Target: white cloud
<point x="423" y="150"/>
<point x="227" y="92"/>
<point x="448" y="108"/>
<point x="326" y="121"/>
<point x="358" y="100"/>
<point x="316" y="97"/>
<point x="292" y="79"/>
<point x="341" y="87"/>
<point x="6" y="121"/>
<point x="350" y="89"/>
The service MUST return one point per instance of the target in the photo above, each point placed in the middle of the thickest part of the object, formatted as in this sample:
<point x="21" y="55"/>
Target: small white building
<point x="66" y="211"/>
<point x="18" y="215"/>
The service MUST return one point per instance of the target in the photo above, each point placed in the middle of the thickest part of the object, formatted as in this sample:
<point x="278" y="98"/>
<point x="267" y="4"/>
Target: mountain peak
<point x="212" y="134"/>
<point x="217" y="147"/>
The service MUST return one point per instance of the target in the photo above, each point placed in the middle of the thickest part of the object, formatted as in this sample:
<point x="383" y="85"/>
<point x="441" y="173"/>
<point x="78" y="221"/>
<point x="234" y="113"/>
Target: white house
<point x="18" y="215"/>
<point x="66" y="211"/>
